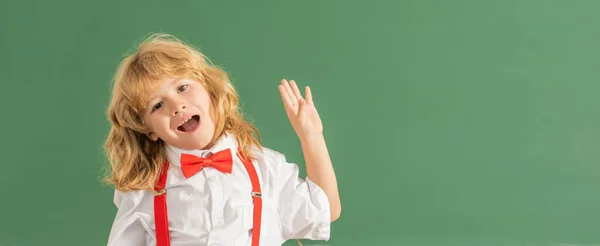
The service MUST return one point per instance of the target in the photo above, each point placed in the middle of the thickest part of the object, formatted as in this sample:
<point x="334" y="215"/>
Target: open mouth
<point x="190" y="124"/>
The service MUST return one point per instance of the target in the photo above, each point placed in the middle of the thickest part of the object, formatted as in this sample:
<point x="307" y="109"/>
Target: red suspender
<point x="256" y="197"/>
<point x="161" y="221"/>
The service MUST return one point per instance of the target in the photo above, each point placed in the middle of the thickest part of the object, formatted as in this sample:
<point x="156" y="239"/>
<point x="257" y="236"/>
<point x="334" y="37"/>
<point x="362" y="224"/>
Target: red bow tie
<point x="191" y="164"/>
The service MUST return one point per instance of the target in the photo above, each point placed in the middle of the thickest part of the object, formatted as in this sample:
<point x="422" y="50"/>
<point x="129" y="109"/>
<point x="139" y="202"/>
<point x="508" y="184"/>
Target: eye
<point x="156" y="106"/>
<point x="182" y="88"/>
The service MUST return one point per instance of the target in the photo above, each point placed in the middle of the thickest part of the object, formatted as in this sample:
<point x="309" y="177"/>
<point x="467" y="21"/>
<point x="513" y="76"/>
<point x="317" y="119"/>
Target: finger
<point x="287" y="102"/>
<point x="308" y="95"/>
<point x="295" y="89"/>
<point x="290" y="93"/>
<point x="301" y="106"/>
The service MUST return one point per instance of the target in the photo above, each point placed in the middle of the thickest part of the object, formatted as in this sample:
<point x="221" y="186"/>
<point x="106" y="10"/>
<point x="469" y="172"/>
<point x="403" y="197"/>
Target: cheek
<point x="206" y="107"/>
<point x="212" y="113"/>
<point x="203" y="101"/>
<point x="164" y="124"/>
<point x="148" y="123"/>
<point x="158" y="124"/>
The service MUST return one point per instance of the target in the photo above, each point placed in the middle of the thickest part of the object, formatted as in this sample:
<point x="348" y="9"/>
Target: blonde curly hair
<point x="134" y="159"/>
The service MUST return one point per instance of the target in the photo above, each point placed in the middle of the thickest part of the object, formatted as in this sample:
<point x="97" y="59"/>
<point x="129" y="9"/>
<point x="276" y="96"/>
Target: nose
<point x="178" y="109"/>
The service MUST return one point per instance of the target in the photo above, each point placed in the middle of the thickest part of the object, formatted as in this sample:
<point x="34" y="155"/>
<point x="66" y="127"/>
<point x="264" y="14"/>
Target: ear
<point x="152" y="136"/>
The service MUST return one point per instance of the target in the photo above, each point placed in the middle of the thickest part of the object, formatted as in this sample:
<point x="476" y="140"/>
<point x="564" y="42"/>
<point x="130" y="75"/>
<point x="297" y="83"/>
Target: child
<point x="189" y="170"/>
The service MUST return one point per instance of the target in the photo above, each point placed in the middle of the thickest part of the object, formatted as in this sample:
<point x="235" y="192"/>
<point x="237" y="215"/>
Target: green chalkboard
<point x="461" y="122"/>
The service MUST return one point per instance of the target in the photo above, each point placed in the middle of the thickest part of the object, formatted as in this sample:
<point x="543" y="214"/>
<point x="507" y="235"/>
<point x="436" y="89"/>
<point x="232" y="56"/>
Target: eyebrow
<point x="176" y="80"/>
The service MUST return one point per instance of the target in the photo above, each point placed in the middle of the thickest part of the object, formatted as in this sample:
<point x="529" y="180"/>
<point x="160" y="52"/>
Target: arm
<point x="320" y="170"/>
<point x="126" y="228"/>
<point x="307" y="124"/>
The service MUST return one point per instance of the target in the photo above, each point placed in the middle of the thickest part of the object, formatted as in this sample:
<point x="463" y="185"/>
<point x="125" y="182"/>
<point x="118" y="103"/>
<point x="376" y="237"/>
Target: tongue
<point x="189" y="125"/>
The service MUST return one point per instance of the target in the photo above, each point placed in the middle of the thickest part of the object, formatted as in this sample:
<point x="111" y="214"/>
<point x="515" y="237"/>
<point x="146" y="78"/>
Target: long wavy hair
<point x="135" y="161"/>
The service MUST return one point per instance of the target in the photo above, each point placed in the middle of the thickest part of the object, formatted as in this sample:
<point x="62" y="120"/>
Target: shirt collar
<point x="227" y="141"/>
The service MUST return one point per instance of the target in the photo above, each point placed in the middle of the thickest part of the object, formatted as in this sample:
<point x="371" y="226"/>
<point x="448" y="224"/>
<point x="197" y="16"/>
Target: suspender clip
<point x="160" y="192"/>
<point x="256" y="194"/>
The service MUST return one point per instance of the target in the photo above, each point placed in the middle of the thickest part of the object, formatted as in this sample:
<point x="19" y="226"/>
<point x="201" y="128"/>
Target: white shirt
<point x="215" y="208"/>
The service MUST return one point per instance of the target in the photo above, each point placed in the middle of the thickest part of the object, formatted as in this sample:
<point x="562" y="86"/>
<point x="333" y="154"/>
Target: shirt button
<point x="217" y="219"/>
<point x="212" y="179"/>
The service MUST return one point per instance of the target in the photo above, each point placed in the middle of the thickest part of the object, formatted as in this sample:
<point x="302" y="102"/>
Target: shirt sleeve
<point x="127" y="228"/>
<point x="303" y="206"/>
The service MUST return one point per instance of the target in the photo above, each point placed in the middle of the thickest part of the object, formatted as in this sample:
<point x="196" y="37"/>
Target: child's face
<point x="179" y="114"/>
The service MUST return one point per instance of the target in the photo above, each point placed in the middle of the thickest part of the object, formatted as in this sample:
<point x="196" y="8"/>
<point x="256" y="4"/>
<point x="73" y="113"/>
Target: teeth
<point x="185" y="121"/>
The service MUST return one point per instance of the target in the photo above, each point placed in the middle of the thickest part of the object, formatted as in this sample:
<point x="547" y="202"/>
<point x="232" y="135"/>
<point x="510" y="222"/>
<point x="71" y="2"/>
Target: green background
<point x="449" y="122"/>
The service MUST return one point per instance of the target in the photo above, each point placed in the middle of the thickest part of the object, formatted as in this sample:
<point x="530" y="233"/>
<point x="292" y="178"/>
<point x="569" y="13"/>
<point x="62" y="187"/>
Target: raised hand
<point x="301" y="112"/>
